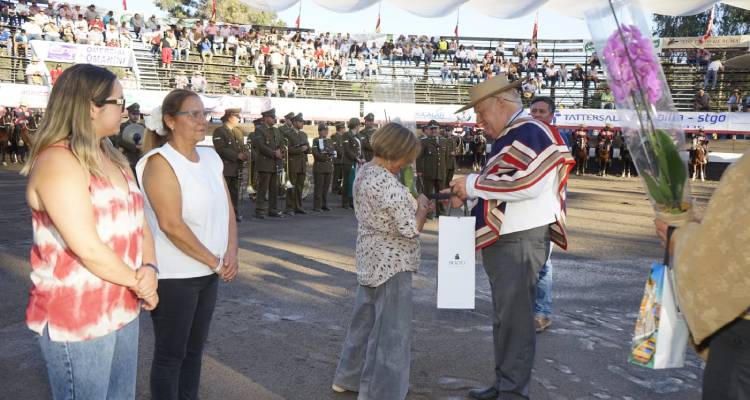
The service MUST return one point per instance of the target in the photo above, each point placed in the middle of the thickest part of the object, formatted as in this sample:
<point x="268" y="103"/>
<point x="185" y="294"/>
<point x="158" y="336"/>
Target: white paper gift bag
<point x="456" y="262"/>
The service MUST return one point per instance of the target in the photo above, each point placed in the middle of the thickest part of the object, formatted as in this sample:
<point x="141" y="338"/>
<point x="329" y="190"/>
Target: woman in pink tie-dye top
<point x="92" y="258"/>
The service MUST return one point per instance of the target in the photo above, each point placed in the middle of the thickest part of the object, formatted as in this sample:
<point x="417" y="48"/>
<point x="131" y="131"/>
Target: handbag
<point x="456" y="262"/>
<point x="661" y="333"/>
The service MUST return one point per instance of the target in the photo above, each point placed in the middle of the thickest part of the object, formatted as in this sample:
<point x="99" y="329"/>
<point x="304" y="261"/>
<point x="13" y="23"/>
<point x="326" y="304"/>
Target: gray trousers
<point x="376" y="355"/>
<point x="512" y="265"/>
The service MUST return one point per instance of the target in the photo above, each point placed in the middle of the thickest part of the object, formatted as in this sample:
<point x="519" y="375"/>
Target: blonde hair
<point x="68" y="116"/>
<point x="169" y="106"/>
<point x="394" y="142"/>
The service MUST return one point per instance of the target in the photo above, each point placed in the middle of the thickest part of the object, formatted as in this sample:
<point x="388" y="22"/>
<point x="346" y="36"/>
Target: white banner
<point x="13" y="94"/>
<point x="82" y="53"/>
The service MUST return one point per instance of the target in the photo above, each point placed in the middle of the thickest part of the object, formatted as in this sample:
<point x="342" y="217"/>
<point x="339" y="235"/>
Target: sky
<point x="397" y="21"/>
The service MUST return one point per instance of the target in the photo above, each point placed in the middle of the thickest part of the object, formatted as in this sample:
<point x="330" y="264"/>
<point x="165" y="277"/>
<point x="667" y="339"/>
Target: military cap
<point x="229" y="112"/>
<point x="134" y="108"/>
<point x="369" y="117"/>
<point x="432" y="124"/>
<point x="322" y="127"/>
<point x="353" y="122"/>
<point x="269" y="113"/>
<point x="257" y="121"/>
<point x="289" y="116"/>
<point x="340" y="125"/>
<point x="299" y="118"/>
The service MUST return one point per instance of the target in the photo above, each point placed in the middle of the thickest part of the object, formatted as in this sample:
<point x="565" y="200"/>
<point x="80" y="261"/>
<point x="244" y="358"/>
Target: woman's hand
<point x="146" y="282"/>
<point x="149" y="303"/>
<point x="230" y="267"/>
<point x="424" y="204"/>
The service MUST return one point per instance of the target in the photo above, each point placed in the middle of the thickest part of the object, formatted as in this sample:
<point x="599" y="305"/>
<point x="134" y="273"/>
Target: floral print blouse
<point x="387" y="234"/>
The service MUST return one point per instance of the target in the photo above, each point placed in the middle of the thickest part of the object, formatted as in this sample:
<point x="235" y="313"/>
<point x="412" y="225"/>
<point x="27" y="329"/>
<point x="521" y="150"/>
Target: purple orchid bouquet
<point x="644" y="105"/>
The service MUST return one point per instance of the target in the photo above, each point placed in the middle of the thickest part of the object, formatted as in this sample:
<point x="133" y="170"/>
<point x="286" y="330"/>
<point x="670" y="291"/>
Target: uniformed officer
<point x="337" y="140"/>
<point x="351" y="155"/>
<point x="450" y="152"/>
<point x="253" y="152"/>
<point x="431" y="163"/>
<point x="323" y="154"/>
<point x="268" y="142"/>
<point x="229" y="143"/>
<point x="287" y="127"/>
<point x="129" y="139"/>
<point x="298" y="148"/>
<point x="365" y="136"/>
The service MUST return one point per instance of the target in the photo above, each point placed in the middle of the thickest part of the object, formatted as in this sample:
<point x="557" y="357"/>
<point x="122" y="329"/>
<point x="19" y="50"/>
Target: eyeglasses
<point x="195" y="114"/>
<point x="120" y="102"/>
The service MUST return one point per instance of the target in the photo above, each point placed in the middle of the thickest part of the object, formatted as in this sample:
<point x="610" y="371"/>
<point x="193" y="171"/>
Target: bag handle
<point x="465" y="207"/>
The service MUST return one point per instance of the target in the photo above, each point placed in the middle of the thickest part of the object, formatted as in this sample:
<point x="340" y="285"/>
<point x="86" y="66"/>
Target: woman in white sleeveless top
<point x="195" y="235"/>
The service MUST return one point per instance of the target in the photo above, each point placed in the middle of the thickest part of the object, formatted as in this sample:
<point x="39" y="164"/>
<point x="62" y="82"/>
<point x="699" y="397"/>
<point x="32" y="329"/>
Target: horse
<point x="627" y="160"/>
<point x="699" y="161"/>
<point x="581" y="154"/>
<point x="603" y="149"/>
<point x="5" y="132"/>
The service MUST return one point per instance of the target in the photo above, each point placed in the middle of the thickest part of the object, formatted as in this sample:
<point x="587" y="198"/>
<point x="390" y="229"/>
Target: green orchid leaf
<point x="654" y="189"/>
<point x="676" y="169"/>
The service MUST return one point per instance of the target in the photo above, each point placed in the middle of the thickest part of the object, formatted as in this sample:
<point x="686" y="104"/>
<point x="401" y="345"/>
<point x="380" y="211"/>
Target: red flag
<point x="296" y="23"/>
<point x="125" y="5"/>
<point x="709" y="28"/>
<point x="377" y="25"/>
<point x="213" y="10"/>
<point x="535" y="31"/>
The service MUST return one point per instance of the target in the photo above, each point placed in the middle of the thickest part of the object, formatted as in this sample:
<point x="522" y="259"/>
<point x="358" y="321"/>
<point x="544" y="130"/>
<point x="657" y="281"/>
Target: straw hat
<point x="489" y="88"/>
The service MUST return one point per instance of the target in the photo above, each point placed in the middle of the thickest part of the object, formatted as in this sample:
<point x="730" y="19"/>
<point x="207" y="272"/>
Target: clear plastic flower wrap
<point x="622" y="36"/>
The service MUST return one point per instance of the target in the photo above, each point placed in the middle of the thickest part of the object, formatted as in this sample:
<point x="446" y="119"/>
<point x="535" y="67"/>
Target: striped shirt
<point x="66" y="297"/>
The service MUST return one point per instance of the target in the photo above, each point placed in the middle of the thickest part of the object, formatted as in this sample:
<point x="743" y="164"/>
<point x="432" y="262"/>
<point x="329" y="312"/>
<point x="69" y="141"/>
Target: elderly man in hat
<point x="267" y="142"/>
<point x="323" y="152"/>
<point x="431" y="163"/>
<point x="298" y="148"/>
<point x="229" y="143"/>
<point x="130" y="138"/>
<point x="365" y="136"/>
<point x="518" y="200"/>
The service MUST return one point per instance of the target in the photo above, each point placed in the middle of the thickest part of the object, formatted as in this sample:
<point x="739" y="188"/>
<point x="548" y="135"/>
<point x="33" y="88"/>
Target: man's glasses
<point x="120" y="102"/>
<point x="195" y="114"/>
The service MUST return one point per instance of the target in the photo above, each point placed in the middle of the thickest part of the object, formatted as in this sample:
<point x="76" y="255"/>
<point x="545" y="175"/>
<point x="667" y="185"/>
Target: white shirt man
<point x="272" y="87"/>
<point x="289" y="88"/>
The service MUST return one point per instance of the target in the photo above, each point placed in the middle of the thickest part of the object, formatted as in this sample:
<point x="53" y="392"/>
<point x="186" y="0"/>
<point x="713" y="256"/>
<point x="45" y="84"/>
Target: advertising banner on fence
<point x="82" y="54"/>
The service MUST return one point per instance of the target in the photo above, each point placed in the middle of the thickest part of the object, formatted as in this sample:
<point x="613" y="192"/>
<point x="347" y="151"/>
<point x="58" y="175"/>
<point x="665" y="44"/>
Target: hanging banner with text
<point x="82" y="54"/>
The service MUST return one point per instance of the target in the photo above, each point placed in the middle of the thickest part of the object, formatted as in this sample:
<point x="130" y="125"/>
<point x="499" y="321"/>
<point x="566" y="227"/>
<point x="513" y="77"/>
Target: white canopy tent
<point x="505" y="9"/>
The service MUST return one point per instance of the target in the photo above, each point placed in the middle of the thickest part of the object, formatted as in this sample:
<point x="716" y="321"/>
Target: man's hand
<point x="150" y="302"/>
<point x="278" y="154"/>
<point x="146" y="282"/>
<point x="242" y="156"/>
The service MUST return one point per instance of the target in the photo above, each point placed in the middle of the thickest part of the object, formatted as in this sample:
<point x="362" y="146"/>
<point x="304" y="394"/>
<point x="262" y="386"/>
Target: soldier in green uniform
<point x="130" y="137"/>
<point x="323" y="153"/>
<point x="431" y="166"/>
<point x="365" y="136"/>
<point x="229" y="143"/>
<point x="298" y="148"/>
<point x="450" y="154"/>
<point x="268" y="143"/>
<point x="351" y="155"/>
<point x="337" y="139"/>
<point x="253" y="153"/>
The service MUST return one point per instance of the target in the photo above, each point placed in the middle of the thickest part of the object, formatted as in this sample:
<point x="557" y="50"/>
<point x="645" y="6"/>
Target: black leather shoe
<point x="260" y="216"/>
<point x="326" y="209"/>
<point x="276" y="215"/>
<point x="484" y="394"/>
<point x="300" y="211"/>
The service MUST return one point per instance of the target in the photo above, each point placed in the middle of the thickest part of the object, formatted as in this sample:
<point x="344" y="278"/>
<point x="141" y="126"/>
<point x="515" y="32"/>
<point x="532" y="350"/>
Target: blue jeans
<point x="543" y="301"/>
<point x="711" y="76"/>
<point x="100" y="368"/>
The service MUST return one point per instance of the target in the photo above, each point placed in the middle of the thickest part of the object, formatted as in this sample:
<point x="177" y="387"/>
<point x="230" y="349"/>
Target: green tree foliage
<point x="232" y="11"/>
<point x="728" y="20"/>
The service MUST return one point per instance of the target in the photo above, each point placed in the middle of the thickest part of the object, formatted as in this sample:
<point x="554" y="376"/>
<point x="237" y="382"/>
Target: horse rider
<point x="128" y="140"/>
<point x="21" y="116"/>
<point x="606" y="135"/>
<point x="229" y="143"/>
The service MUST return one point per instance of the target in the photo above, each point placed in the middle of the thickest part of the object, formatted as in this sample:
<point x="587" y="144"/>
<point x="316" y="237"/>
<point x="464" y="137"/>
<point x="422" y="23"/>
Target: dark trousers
<point x="234" y="193"/>
<point x="320" y="190"/>
<point x="512" y="265"/>
<point x="346" y="171"/>
<point x="181" y="323"/>
<point x="336" y="188"/>
<point x="432" y="186"/>
<point x="727" y="374"/>
<point x="268" y="192"/>
<point x="449" y="176"/>
<point x="294" y="195"/>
